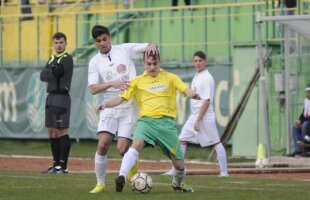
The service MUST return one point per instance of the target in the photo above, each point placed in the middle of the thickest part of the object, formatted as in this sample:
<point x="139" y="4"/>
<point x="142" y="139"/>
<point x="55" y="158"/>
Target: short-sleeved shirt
<point x="118" y="64"/>
<point x="306" y="107"/>
<point x="203" y="84"/>
<point x="156" y="96"/>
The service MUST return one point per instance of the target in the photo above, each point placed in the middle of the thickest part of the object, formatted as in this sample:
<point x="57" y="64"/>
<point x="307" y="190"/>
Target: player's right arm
<point x="94" y="84"/>
<point x="99" y="88"/>
<point x="115" y="101"/>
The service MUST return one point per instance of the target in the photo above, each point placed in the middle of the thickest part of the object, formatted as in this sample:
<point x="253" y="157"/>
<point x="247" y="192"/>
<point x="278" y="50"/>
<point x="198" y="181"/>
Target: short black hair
<point x="59" y="35"/>
<point x="155" y="56"/>
<point x="99" y="30"/>
<point x="200" y="54"/>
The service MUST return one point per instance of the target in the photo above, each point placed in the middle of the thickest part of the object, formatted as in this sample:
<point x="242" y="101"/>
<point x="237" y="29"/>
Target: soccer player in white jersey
<point x="109" y="73"/>
<point x="200" y="127"/>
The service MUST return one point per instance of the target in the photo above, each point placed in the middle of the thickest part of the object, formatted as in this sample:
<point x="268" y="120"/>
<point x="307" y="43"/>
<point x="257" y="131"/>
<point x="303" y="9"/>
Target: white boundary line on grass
<point x="113" y="159"/>
<point x="166" y="184"/>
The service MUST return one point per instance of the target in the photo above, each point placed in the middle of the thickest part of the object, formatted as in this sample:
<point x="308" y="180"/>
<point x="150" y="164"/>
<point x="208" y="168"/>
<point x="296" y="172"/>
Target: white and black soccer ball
<point x="262" y="163"/>
<point x="141" y="183"/>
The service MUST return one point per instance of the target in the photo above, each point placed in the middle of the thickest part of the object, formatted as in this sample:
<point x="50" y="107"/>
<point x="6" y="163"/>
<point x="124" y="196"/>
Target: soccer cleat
<point x="133" y="170"/>
<point x="304" y="143"/>
<point x="168" y="173"/>
<point x="294" y="154"/>
<point x="50" y="170"/>
<point x="60" y="170"/>
<point x="223" y="175"/>
<point x="305" y="154"/>
<point x="97" y="189"/>
<point x="119" y="183"/>
<point x="183" y="188"/>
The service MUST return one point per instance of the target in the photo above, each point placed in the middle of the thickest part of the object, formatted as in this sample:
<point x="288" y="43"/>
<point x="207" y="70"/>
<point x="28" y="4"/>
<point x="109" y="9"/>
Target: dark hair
<point x="59" y="35"/>
<point x="200" y="54"/>
<point x="154" y="56"/>
<point x="290" y="3"/>
<point x="99" y="30"/>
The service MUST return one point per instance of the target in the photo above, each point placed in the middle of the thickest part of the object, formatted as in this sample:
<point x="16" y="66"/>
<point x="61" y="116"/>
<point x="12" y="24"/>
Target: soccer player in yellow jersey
<point x="155" y="93"/>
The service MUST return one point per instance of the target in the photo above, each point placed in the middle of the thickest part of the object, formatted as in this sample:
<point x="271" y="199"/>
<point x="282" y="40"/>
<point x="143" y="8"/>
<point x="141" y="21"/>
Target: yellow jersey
<point x="155" y="96"/>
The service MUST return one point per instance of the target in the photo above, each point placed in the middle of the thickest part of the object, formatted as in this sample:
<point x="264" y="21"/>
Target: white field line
<point x="113" y="159"/>
<point x="267" y="189"/>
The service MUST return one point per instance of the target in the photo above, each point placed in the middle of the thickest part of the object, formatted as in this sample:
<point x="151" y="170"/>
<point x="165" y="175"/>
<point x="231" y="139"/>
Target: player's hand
<point x="197" y="126"/>
<point x="196" y="96"/>
<point x="297" y="123"/>
<point x="101" y="107"/>
<point x="151" y="48"/>
<point x="122" y="85"/>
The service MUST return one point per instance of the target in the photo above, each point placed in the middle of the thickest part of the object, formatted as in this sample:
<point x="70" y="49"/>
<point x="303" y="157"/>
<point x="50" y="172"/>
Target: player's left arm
<point x="202" y="112"/>
<point x="183" y="88"/>
<point x="192" y="94"/>
<point x="68" y="66"/>
<point x="136" y="50"/>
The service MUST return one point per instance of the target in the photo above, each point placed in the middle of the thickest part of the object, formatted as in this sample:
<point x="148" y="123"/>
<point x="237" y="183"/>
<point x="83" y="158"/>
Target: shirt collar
<point x="145" y="74"/>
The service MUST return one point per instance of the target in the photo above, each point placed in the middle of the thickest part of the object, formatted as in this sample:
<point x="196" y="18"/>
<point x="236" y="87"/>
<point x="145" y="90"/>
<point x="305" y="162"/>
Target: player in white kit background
<point x="109" y="73"/>
<point x="200" y="127"/>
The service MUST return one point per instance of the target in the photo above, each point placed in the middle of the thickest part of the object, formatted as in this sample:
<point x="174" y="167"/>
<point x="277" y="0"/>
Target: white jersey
<point x="203" y="84"/>
<point x="116" y="65"/>
<point x="306" y="107"/>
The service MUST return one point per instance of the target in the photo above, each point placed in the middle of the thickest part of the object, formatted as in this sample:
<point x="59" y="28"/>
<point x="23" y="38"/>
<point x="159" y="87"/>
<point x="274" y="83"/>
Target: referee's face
<point x="59" y="45"/>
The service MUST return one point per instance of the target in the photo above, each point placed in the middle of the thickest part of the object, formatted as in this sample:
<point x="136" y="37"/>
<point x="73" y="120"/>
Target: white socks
<point x="128" y="161"/>
<point x="177" y="176"/>
<point x="183" y="147"/>
<point x="100" y="168"/>
<point x="222" y="159"/>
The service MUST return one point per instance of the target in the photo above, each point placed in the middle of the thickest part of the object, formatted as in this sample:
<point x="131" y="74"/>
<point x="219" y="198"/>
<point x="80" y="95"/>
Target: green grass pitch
<point x="75" y="186"/>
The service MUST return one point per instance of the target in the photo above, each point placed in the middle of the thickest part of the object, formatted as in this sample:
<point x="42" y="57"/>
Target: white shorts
<point x="208" y="134"/>
<point x="118" y="121"/>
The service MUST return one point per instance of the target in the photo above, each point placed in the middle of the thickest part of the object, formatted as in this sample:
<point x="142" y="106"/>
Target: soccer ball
<point x="141" y="183"/>
<point x="262" y="163"/>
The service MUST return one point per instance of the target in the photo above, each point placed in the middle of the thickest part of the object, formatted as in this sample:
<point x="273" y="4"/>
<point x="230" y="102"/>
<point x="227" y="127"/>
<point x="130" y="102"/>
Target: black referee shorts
<point x="57" y="111"/>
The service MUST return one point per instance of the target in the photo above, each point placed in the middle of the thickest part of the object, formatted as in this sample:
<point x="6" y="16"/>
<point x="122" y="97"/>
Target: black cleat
<point x="60" y="170"/>
<point x="119" y="183"/>
<point x="304" y="143"/>
<point x="183" y="188"/>
<point x="50" y="170"/>
<point x="294" y="154"/>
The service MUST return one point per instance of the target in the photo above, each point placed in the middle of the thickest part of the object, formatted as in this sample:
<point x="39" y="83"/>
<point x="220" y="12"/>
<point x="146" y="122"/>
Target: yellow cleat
<point x="133" y="170"/>
<point x="98" y="189"/>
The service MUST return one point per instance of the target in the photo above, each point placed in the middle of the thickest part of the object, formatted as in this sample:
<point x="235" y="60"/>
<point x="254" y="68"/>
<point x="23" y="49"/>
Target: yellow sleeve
<point x="129" y="92"/>
<point x="179" y="84"/>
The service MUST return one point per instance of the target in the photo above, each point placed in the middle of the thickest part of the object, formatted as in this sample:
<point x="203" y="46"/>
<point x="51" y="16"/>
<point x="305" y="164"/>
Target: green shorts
<point x="161" y="131"/>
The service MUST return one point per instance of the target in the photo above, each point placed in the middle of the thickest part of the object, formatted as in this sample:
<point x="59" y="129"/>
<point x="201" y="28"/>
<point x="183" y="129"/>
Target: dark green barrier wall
<point x="22" y="102"/>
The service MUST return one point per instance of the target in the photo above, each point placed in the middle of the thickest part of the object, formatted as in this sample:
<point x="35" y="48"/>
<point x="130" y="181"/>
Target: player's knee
<point x="102" y="148"/>
<point x="122" y="150"/>
<point x="179" y="165"/>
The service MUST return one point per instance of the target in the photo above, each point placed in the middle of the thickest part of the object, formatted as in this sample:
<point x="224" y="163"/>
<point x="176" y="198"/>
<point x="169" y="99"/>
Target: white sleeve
<point x="135" y="50"/>
<point x="93" y="75"/>
<point x="209" y="89"/>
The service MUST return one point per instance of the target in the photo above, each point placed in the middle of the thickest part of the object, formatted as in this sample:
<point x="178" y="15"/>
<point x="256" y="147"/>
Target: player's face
<point x="151" y="66"/>
<point x="308" y="94"/>
<point x="199" y="63"/>
<point x="59" y="45"/>
<point x="103" y="43"/>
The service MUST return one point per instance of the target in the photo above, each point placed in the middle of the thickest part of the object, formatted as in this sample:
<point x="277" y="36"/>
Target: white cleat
<point x="223" y="175"/>
<point x="168" y="173"/>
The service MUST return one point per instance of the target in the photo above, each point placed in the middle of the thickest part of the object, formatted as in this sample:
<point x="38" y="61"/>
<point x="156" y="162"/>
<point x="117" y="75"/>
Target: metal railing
<point x="79" y="16"/>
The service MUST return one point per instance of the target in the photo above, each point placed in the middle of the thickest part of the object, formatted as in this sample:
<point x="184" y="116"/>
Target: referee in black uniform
<point x="58" y="75"/>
